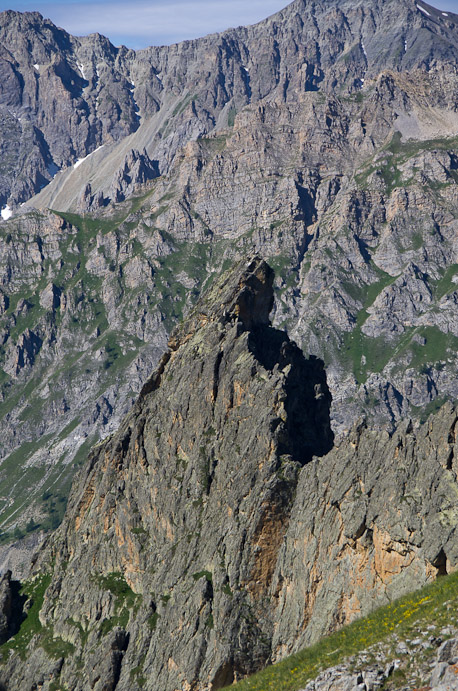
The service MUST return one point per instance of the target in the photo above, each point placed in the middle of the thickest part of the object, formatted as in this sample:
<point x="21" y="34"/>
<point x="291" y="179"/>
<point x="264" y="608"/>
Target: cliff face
<point x="379" y="514"/>
<point x="216" y="530"/>
<point x="189" y="502"/>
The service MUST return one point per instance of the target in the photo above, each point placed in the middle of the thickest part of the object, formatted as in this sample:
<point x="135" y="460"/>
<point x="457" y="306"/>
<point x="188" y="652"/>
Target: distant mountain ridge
<point x="63" y="97"/>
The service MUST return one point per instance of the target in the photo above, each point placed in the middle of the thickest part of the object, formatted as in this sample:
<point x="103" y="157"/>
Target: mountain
<point x="159" y="98"/>
<point x="220" y="527"/>
<point x="324" y="138"/>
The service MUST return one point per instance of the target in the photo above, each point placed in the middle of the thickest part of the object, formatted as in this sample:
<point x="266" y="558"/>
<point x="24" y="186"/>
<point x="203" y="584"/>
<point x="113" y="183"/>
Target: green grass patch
<point x="403" y="618"/>
<point x="365" y="354"/>
<point x="203" y="574"/>
<point x="88" y="226"/>
<point x="398" y="152"/>
<point x="182" y="105"/>
<point x="423" y="413"/>
<point x="54" y="646"/>
<point x="445" y="284"/>
<point x="152" y="621"/>
<point x="136" y="673"/>
<point x="215" y="144"/>
<point x="126" y="601"/>
<point x="356" y="345"/>
<point x="120" y="620"/>
<point x="231" y="117"/>
<point x="32" y="591"/>
<point x="412" y="147"/>
<point x="115" y="583"/>
<point x="438" y="347"/>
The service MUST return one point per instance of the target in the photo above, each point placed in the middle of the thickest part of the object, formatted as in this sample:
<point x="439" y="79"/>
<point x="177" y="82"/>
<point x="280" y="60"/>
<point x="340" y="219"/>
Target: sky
<point x="141" y="23"/>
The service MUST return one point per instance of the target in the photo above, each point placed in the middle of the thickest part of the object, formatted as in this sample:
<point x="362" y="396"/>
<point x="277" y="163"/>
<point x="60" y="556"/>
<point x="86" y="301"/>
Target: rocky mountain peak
<point x="244" y="294"/>
<point x="199" y="480"/>
<point x="220" y="528"/>
<point x="323" y="137"/>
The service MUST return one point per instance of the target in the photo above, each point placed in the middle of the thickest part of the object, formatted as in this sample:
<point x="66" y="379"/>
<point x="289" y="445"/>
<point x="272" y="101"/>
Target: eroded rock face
<point x="378" y="514"/>
<point x="190" y="501"/>
<point x="217" y="530"/>
<point x="62" y="97"/>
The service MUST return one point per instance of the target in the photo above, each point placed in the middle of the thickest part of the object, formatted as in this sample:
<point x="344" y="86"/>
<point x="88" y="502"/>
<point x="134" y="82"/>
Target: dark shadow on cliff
<point x="11" y="607"/>
<point x="307" y="431"/>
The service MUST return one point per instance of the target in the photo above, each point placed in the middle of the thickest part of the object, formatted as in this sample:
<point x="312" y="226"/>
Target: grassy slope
<point x="432" y="607"/>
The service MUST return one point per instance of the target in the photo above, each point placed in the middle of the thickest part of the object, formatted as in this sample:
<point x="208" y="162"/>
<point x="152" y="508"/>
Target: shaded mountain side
<point x="217" y="530"/>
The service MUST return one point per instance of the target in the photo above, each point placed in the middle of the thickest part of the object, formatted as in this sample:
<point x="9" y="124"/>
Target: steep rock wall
<point x="217" y="530"/>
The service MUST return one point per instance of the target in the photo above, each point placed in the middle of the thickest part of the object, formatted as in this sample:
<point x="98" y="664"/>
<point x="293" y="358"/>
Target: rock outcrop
<point x="217" y="530"/>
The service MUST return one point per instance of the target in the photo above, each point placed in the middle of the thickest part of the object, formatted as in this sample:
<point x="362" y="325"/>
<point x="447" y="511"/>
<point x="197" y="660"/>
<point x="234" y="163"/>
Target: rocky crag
<point x="219" y="528"/>
<point x="324" y="137"/>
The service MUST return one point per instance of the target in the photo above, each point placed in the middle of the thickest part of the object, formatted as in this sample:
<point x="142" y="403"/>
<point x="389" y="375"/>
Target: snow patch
<point x="423" y="10"/>
<point x="6" y="213"/>
<point x="362" y="81"/>
<point x="364" y="48"/>
<point x="245" y="68"/>
<point x="81" y="69"/>
<point x="37" y="66"/>
<point x="405" y="46"/>
<point x="445" y="14"/>
<point x="81" y="160"/>
<point x="136" y="110"/>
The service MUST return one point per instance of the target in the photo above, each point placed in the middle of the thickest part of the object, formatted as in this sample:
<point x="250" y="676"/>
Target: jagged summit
<point x="245" y="293"/>
<point x="188" y="504"/>
<point x="124" y="100"/>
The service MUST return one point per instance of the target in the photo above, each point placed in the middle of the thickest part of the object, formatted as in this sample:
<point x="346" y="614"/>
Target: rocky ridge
<point x="199" y="546"/>
<point x="432" y="664"/>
